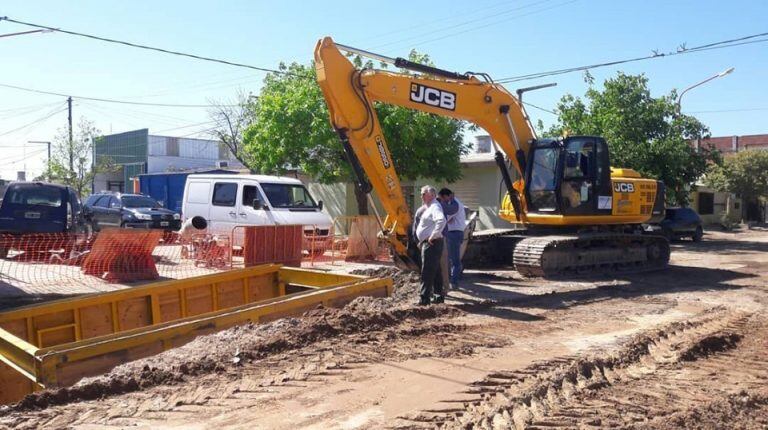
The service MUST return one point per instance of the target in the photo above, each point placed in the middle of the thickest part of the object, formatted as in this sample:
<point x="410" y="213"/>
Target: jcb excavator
<point x="576" y="212"/>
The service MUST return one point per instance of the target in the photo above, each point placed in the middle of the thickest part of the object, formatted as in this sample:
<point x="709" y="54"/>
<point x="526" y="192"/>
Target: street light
<point x="719" y="75"/>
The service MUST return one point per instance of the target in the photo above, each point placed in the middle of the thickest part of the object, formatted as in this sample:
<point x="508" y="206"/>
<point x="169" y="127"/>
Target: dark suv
<point x="39" y="207"/>
<point x="128" y="210"/>
<point x="681" y="222"/>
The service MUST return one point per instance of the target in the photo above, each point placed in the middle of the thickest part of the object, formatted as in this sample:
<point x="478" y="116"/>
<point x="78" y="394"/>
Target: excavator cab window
<point x="586" y="175"/>
<point x="542" y="188"/>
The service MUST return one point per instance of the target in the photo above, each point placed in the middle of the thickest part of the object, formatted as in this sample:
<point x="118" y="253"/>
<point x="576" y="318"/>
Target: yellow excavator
<point x="573" y="212"/>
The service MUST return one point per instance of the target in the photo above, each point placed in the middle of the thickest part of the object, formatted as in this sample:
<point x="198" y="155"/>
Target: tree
<point x="80" y="176"/>
<point x="290" y="129"/>
<point x="230" y="119"/>
<point x="644" y="133"/>
<point x="744" y="173"/>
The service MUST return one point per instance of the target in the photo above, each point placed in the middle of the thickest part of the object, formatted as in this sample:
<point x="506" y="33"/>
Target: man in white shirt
<point x="429" y="234"/>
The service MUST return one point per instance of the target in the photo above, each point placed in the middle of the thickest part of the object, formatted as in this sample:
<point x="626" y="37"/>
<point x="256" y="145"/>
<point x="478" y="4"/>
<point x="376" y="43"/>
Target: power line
<point x="540" y="108"/>
<point x="430" y="21"/>
<point x="31" y="154"/>
<point x="96" y="99"/>
<point x="33" y="122"/>
<point x="680" y="51"/>
<point x="459" y="24"/>
<point x="150" y="48"/>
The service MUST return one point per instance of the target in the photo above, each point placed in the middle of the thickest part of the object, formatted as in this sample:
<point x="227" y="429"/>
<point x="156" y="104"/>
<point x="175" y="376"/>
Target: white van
<point x="227" y="201"/>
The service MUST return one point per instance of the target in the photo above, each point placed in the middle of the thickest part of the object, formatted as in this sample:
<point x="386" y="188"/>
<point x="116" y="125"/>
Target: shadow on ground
<point x="487" y="292"/>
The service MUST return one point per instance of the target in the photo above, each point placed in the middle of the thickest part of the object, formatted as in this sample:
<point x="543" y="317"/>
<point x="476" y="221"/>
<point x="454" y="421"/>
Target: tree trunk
<point x="362" y="201"/>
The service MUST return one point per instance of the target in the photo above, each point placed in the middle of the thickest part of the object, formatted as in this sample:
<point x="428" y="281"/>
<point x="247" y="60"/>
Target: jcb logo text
<point x="433" y="97"/>
<point x="623" y="187"/>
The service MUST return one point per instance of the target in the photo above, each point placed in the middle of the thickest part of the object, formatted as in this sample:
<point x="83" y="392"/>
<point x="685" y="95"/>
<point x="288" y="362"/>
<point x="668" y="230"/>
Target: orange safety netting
<point x="67" y="263"/>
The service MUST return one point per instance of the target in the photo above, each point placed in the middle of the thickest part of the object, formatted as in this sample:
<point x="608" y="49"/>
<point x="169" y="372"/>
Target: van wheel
<point x="698" y="235"/>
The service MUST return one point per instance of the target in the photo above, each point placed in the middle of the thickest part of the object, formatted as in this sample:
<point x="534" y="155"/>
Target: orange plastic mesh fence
<point x="67" y="263"/>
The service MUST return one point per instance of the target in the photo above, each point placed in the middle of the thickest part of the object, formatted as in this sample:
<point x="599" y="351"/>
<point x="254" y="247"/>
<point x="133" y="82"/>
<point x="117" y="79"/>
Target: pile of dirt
<point x="234" y="347"/>
<point x="406" y="283"/>
<point x="743" y="410"/>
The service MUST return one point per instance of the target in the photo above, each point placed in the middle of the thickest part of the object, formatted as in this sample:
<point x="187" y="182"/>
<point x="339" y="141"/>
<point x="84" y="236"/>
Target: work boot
<point x="438" y="299"/>
<point x="423" y="302"/>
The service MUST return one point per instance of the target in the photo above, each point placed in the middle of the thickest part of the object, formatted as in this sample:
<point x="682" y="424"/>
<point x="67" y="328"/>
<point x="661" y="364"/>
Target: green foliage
<point x="644" y="133"/>
<point x="81" y="173"/>
<point x="744" y="173"/>
<point x="290" y="129"/>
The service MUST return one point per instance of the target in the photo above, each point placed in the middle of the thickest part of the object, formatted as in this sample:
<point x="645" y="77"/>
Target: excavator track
<point x="592" y="253"/>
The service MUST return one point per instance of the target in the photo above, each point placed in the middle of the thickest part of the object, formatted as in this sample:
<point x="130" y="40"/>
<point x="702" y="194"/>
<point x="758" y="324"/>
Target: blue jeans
<point x="454" y="239"/>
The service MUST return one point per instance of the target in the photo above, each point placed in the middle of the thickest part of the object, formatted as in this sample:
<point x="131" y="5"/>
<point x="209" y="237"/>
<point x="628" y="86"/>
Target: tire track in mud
<point x="697" y="373"/>
<point x="232" y="387"/>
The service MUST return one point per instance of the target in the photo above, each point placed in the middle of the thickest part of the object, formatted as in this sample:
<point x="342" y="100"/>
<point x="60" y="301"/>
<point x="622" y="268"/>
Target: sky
<point x="502" y="38"/>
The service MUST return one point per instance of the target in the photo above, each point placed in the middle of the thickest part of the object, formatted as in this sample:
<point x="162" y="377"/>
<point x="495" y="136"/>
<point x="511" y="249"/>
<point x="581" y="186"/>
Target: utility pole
<point x="71" y="143"/>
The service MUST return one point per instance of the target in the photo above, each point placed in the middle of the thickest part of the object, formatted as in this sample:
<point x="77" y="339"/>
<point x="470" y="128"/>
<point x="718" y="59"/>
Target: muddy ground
<point x="682" y="348"/>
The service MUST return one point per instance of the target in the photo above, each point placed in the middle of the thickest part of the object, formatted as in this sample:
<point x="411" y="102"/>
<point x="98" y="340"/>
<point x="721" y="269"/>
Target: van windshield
<point x="288" y="196"/>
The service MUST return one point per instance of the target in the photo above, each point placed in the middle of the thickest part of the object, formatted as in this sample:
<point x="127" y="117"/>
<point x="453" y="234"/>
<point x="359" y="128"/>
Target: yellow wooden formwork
<point x="57" y="343"/>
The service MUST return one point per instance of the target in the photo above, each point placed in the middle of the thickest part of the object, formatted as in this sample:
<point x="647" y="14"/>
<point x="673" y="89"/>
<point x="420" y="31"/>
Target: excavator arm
<point x="350" y="94"/>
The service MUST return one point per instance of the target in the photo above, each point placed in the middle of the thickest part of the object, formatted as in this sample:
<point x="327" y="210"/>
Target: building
<point x="712" y="205"/>
<point x="136" y="152"/>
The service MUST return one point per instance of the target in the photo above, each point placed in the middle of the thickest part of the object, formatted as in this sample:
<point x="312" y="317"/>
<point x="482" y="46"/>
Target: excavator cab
<point x="566" y="177"/>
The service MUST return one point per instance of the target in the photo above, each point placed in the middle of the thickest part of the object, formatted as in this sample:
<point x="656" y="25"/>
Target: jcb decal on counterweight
<point x="433" y="97"/>
<point x="382" y="152"/>
<point x="623" y="187"/>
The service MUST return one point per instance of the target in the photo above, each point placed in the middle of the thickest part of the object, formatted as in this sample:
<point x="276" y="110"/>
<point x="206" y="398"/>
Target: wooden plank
<point x="55" y="319"/>
<point x="14" y="384"/>
<point x="199" y="300"/>
<point x="72" y="371"/>
<point x="154" y="304"/>
<point x="134" y="312"/>
<point x="96" y="320"/>
<point x="170" y="306"/>
<point x="53" y="336"/>
<point x="263" y="287"/>
<point x="230" y="294"/>
<point x="17" y="328"/>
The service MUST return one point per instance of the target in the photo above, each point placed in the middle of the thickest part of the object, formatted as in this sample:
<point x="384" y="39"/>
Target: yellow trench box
<point x="58" y="343"/>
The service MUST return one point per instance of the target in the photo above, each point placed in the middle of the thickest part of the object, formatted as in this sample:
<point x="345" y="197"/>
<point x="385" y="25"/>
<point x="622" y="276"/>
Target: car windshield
<point x="34" y="195"/>
<point x="139" y="202"/>
<point x="288" y="196"/>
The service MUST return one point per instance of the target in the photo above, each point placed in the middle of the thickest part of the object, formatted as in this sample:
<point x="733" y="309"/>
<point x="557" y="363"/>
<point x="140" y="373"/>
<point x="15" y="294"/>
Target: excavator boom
<point x="350" y="94"/>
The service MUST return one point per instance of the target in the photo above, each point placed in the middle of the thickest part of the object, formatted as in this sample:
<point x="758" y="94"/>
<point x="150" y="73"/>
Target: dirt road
<point x="683" y="348"/>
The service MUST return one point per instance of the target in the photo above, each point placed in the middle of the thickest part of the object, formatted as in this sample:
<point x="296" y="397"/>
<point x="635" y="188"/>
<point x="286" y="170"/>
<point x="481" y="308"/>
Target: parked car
<point x="109" y="209"/>
<point x="39" y="207"/>
<point x="227" y="201"/>
<point x="681" y="222"/>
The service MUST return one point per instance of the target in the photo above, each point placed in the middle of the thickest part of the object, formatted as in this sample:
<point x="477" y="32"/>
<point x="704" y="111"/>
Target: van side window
<point x="198" y="192"/>
<point x="102" y="202"/>
<point x="224" y="194"/>
<point x="251" y="192"/>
